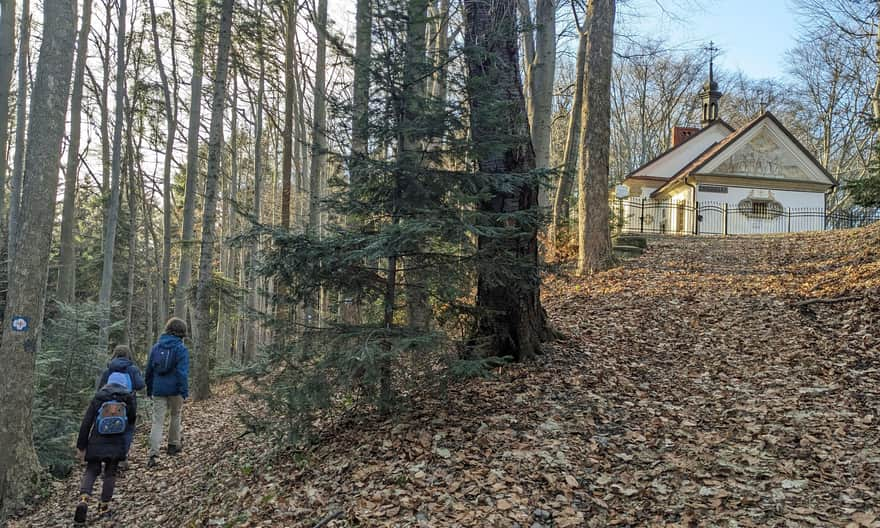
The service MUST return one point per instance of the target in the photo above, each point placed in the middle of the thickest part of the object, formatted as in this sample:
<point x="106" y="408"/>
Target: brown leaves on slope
<point x="692" y="389"/>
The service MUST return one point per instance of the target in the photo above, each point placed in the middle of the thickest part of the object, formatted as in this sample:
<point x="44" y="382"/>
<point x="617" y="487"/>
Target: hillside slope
<point x="694" y="387"/>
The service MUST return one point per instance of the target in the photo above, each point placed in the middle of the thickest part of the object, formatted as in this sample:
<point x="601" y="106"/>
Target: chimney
<point x="680" y="134"/>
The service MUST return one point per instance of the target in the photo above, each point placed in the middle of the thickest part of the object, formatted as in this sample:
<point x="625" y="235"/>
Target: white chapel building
<point x="720" y="180"/>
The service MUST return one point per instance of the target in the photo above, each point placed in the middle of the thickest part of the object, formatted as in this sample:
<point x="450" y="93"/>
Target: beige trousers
<point x="161" y="404"/>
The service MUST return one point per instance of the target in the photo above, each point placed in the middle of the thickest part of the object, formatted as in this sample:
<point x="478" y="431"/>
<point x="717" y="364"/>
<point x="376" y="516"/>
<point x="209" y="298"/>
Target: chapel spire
<point x="710" y="94"/>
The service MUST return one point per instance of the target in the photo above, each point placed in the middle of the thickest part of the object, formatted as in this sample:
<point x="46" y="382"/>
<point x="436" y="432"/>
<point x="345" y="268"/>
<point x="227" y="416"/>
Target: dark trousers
<point x="91" y="475"/>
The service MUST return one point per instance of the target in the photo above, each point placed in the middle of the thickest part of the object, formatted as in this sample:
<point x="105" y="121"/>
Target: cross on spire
<point x="710" y="94"/>
<point x="713" y="51"/>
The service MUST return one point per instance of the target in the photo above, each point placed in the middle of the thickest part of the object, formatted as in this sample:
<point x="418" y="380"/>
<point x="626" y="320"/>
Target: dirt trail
<point x="693" y="389"/>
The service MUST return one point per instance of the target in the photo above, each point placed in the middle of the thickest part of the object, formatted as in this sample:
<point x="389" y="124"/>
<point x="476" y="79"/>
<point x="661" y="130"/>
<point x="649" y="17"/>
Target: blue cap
<point x="118" y="378"/>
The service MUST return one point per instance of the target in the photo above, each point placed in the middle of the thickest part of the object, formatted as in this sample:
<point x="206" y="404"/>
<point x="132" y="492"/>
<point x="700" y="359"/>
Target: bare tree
<point x="572" y="141"/>
<point x="112" y="219"/>
<point x="539" y="47"/>
<point x="170" y="101"/>
<point x="192" y="162"/>
<point x="67" y="273"/>
<point x="201" y="313"/>
<point x="18" y="173"/>
<point x="7" y="63"/>
<point x="594" y="233"/>
<point x="27" y="285"/>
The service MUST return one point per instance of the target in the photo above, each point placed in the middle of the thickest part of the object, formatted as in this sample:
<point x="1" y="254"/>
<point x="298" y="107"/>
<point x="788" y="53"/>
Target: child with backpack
<point x="102" y="441"/>
<point x="123" y="364"/>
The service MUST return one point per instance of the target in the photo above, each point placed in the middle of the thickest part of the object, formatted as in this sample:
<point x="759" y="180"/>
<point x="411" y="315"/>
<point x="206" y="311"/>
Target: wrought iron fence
<point x="716" y="218"/>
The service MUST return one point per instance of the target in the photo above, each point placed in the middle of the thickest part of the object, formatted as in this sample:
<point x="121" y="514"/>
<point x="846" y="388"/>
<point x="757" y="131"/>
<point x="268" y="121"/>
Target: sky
<point x="753" y="35"/>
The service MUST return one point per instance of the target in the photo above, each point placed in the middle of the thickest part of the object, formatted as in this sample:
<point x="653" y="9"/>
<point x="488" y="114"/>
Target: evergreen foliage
<point x="67" y="370"/>
<point x="414" y="209"/>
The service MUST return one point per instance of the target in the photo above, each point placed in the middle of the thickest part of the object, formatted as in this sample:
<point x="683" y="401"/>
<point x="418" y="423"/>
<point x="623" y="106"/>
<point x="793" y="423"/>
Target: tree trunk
<point x="572" y="141"/>
<point x="287" y="139"/>
<point x="110" y="223"/>
<point x="250" y="350"/>
<point x="20" y="128"/>
<point x="511" y="321"/>
<point x="131" y="199"/>
<point x="542" y="71"/>
<point x="412" y="144"/>
<point x="171" y="131"/>
<point x="319" y="110"/>
<point x="105" y="106"/>
<point x="349" y="307"/>
<point x="7" y="63"/>
<point x="594" y="230"/>
<point x="361" y="86"/>
<point x="192" y="164"/>
<point x="27" y="282"/>
<point x="201" y="314"/>
<point x="67" y="274"/>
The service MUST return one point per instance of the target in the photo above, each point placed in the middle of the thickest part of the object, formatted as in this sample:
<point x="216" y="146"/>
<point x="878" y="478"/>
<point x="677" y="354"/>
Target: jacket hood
<point x="119" y="364"/>
<point x="112" y="391"/>
<point x="169" y="341"/>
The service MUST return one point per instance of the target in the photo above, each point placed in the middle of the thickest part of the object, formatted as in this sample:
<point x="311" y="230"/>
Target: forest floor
<point x="693" y="387"/>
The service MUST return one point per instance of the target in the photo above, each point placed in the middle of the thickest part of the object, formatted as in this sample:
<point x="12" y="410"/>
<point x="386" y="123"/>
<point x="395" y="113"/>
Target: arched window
<point x="760" y="208"/>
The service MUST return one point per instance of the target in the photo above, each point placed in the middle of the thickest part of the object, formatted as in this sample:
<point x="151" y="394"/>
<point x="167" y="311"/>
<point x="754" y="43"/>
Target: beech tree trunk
<point x="27" y="282"/>
<point x="201" y="313"/>
<point x="319" y="112"/>
<point x="361" y="84"/>
<point x="250" y="349"/>
<point x="572" y="142"/>
<point x="18" y="173"/>
<point x="511" y="321"/>
<point x="540" y="74"/>
<point x="7" y="60"/>
<point x="192" y="163"/>
<point x="287" y="137"/>
<point x="594" y="230"/>
<point x="112" y="220"/>
<point x="67" y="273"/>
<point x="171" y="131"/>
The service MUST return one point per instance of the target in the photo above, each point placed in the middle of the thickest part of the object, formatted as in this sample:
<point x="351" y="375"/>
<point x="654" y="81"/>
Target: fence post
<point x="724" y="220"/>
<point x="620" y="215"/>
<point x="788" y="227"/>
<point x="642" y="218"/>
<point x="696" y="218"/>
<point x="851" y="220"/>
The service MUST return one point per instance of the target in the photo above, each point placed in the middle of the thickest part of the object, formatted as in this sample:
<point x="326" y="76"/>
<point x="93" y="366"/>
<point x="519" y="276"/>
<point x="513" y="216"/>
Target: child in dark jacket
<point x="103" y="450"/>
<point x="123" y="363"/>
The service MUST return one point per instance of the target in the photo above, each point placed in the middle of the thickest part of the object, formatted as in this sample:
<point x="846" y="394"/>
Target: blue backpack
<point x="164" y="360"/>
<point x="112" y="418"/>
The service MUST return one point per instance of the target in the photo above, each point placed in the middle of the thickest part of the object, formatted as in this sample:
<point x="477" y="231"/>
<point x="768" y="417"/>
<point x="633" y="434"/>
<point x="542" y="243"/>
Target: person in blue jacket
<point x="123" y="364"/>
<point x="168" y="386"/>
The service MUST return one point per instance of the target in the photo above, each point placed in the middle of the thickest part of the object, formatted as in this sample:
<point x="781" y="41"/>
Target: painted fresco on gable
<point x="763" y="157"/>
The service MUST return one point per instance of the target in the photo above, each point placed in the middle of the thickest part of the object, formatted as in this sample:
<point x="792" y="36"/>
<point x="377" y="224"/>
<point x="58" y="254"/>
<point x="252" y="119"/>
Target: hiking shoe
<point x="104" y="511"/>
<point x="82" y="510"/>
<point x="152" y="461"/>
<point x="173" y="449"/>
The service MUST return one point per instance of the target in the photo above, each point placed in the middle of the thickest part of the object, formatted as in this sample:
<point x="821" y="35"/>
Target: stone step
<point x="631" y="240"/>
<point x="623" y="251"/>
